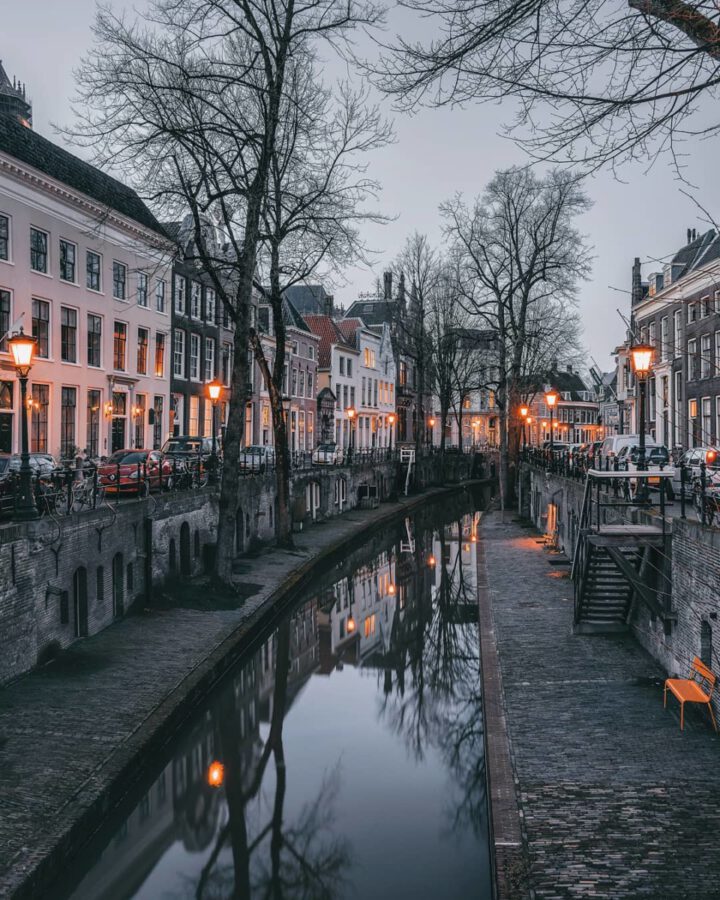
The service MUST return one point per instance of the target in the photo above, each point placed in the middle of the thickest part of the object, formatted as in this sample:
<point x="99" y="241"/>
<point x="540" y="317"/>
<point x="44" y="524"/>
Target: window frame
<point x="160" y="295"/>
<point x="160" y="342"/>
<point x="120" y="267"/>
<point x="8" y="258"/>
<point x="65" y="244"/>
<point x="182" y="353"/>
<point x="48" y="327"/>
<point x="92" y="315"/>
<point x="116" y="341"/>
<point x="64" y="327"/>
<point x="194" y="370"/>
<point x="98" y="256"/>
<point x="46" y="270"/>
<point x="4" y="328"/>
<point x="209" y="358"/>
<point x="146" y="346"/>
<point x="142" y="278"/>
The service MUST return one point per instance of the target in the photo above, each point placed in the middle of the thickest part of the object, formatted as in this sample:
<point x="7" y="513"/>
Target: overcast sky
<point x="437" y="153"/>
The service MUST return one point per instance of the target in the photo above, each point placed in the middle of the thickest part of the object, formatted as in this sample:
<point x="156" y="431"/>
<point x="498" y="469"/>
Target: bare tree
<point x="188" y="104"/>
<point x="317" y="192"/>
<point x="520" y="252"/>
<point x="594" y="81"/>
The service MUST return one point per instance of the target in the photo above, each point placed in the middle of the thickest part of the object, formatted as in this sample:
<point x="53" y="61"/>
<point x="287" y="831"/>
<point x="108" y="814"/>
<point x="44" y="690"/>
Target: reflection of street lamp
<point x="215" y="774"/>
<point x="431" y="561"/>
<point x="391" y="419"/>
<point x="351" y="416"/>
<point x="214" y="389"/>
<point x="22" y="348"/>
<point x="551" y="398"/>
<point x="641" y="362"/>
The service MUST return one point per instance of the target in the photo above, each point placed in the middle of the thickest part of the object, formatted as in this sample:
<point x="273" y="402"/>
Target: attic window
<point x="705" y="307"/>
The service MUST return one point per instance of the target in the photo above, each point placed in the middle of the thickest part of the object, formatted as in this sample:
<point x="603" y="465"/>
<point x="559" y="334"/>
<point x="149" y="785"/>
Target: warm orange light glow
<point x="22" y="348"/>
<point x="642" y="355"/>
<point x="391" y="589"/>
<point x="431" y="560"/>
<point x="216" y="774"/>
<point x="350" y="412"/>
<point x="466" y="548"/>
<point x="711" y="456"/>
<point x="350" y="625"/>
<point x="529" y="420"/>
<point x="473" y="538"/>
<point x="523" y="411"/>
<point x="551" y="397"/>
<point x="432" y="421"/>
<point x="214" y="389"/>
<point x="391" y="418"/>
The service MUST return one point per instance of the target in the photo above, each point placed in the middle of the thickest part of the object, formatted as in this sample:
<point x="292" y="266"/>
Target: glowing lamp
<point x="432" y="421"/>
<point x="350" y="625"/>
<point x="216" y="774"/>
<point x="391" y="589"/>
<point x="642" y="355"/>
<point x="22" y="348"/>
<point x="523" y="411"/>
<point x="431" y="561"/>
<point x="214" y="389"/>
<point x="551" y="397"/>
<point x="350" y="412"/>
<point x="391" y="418"/>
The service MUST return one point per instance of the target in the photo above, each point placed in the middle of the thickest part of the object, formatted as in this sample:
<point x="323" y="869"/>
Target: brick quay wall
<point x="553" y="503"/>
<point x="70" y="576"/>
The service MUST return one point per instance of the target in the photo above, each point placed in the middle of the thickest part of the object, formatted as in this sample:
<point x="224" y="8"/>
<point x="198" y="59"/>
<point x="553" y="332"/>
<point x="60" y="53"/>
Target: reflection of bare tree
<point x="304" y="861"/>
<point x="438" y="648"/>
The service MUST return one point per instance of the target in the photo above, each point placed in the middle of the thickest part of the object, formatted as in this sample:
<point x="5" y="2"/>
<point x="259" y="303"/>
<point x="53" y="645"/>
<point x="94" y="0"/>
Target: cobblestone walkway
<point x="616" y="801"/>
<point x="67" y="729"/>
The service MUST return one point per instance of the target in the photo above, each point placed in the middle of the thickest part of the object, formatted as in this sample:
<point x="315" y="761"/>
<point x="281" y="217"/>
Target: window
<point x="157" y="423"/>
<point x="664" y="337"/>
<point x="375" y="393"/>
<point x="160" y="296"/>
<point x="92" y="438"/>
<point x="119" y="346"/>
<point x="68" y="334"/>
<point x="352" y="396"/>
<point x="93" y="267"/>
<point x="210" y="304"/>
<point x="195" y="302"/>
<point x="342" y="365"/>
<point x="194" y="418"/>
<point x="180" y="294"/>
<point x="4" y="319"/>
<point x="160" y="355"/>
<point x="226" y="366"/>
<point x="369" y="358"/>
<point x="349" y="368"/>
<point x="677" y="325"/>
<point x="142" y="289"/>
<point x="691" y="353"/>
<point x="362" y="391"/>
<point x="4" y="238"/>
<point x="119" y="280"/>
<point x="194" y="360"/>
<point x="94" y="340"/>
<point x="706" y="436"/>
<point x="67" y="422"/>
<point x="692" y="312"/>
<point x="179" y="354"/>
<point x="705" y="356"/>
<point x="311" y="351"/>
<point x="651" y="333"/>
<point x="68" y="254"/>
<point x="209" y="359"/>
<point x="139" y="420"/>
<point x="310" y="385"/>
<point x="705" y="306"/>
<point x="41" y="328"/>
<point x="142" y="351"/>
<point x="301" y="389"/>
<point x="40" y="394"/>
<point x="38" y="250"/>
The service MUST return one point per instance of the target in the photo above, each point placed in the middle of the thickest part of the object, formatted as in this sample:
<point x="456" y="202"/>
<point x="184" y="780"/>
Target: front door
<point x="6" y="432"/>
<point x="118" y="434"/>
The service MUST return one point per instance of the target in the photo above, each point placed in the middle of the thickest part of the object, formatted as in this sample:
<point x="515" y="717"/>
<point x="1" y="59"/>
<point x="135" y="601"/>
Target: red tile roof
<point x="329" y="333"/>
<point x="349" y="328"/>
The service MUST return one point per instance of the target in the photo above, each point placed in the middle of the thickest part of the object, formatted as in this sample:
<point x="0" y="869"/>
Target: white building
<point x="84" y="267"/>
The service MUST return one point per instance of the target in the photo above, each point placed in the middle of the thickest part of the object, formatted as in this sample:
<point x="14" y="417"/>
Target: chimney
<point x="636" y="291"/>
<point x="689" y="235"/>
<point x="387" y="285"/>
<point x="694" y="234"/>
<point x="570" y="368"/>
<point x="329" y="304"/>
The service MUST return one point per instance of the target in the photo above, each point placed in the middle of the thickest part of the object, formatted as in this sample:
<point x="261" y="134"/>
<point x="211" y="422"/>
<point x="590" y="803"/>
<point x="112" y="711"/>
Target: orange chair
<point x="698" y="688"/>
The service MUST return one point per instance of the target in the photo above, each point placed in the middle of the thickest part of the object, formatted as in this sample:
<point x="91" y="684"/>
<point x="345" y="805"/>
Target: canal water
<point x="343" y="757"/>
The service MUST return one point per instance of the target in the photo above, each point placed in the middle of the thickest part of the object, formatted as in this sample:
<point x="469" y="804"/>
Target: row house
<point x="300" y="380"/>
<point x="576" y="418"/>
<point x="84" y="267"/>
<point x="678" y="312"/>
<point x="375" y="379"/>
<point x="338" y="367"/>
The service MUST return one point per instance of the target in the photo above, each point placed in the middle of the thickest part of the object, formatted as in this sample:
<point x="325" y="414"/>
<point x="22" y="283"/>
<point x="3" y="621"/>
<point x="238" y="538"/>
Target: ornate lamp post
<point x="551" y="398"/>
<point x="523" y="416"/>
<point x="391" y="419"/>
<point x="351" y="413"/>
<point x="642" y="355"/>
<point x="528" y="422"/>
<point x="214" y="389"/>
<point x="431" y="423"/>
<point x="22" y="348"/>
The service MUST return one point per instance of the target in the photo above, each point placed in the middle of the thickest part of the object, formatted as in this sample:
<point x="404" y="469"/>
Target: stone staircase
<point x="605" y="594"/>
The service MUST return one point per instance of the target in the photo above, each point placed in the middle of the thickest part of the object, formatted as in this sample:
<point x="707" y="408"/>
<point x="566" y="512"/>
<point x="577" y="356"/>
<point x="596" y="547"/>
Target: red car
<point x="134" y="472"/>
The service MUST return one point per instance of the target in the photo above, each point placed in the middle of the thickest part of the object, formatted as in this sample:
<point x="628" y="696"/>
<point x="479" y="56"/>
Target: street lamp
<point x="642" y="355"/>
<point x="528" y="422"/>
<point x="391" y="419"/>
<point x="22" y="348"/>
<point x="214" y="389"/>
<point x="523" y="416"/>
<point x="431" y="423"/>
<point x="351" y="413"/>
<point x="551" y="398"/>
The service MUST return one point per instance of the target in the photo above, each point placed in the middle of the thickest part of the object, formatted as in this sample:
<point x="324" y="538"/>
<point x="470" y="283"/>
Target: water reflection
<point x="345" y="758"/>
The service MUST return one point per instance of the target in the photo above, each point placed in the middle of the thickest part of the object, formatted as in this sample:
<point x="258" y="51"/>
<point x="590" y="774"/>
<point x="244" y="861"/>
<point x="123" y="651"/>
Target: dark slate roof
<point x="34" y="150"/>
<point x="309" y="298"/>
<point x="567" y="383"/>
<point x="292" y="317"/>
<point x="374" y="311"/>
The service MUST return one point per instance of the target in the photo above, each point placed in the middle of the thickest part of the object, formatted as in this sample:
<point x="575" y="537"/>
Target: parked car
<point x="135" y="472"/>
<point x="42" y="464"/>
<point x="656" y="457"/>
<point x="327" y="455"/>
<point x="186" y="447"/>
<point x="614" y="443"/>
<point x="256" y="458"/>
<point x="692" y="459"/>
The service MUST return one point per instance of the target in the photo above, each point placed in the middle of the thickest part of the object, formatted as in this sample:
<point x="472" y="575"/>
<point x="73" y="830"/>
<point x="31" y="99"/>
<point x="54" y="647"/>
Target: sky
<point x="437" y="153"/>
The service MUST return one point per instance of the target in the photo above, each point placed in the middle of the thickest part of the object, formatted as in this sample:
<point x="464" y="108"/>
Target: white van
<point x="614" y="443"/>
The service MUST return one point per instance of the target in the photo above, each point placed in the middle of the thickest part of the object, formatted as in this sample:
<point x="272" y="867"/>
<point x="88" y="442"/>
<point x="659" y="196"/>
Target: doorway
<point x="80" y="602"/>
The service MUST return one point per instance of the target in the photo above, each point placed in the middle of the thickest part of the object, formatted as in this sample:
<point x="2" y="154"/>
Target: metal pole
<point x="25" y="507"/>
<point x="641" y="492"/>
<point x="213" y="470"/>
<point x="552" y="440"/>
